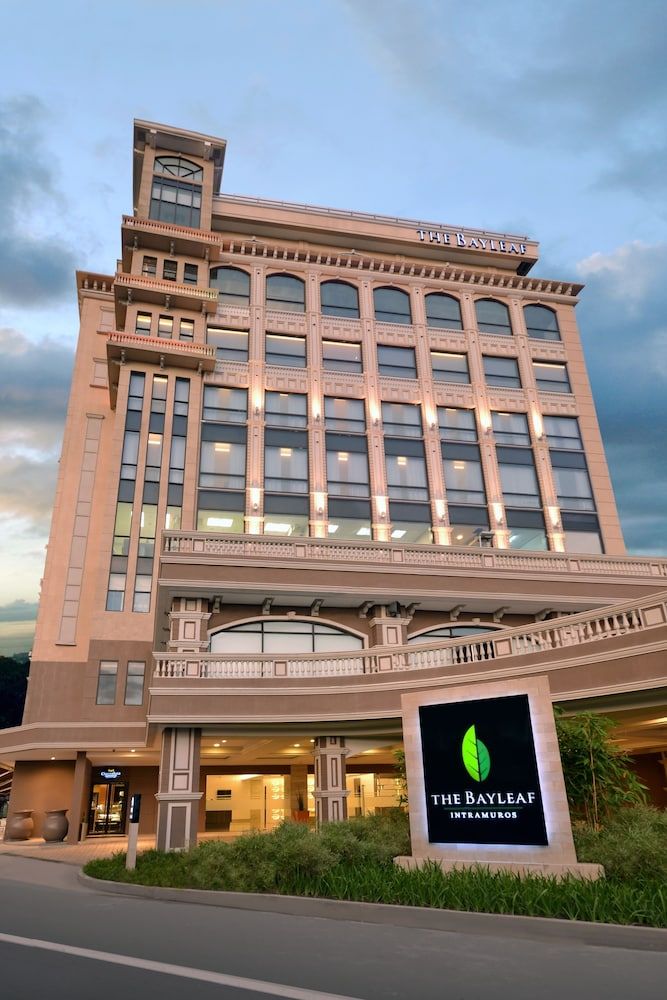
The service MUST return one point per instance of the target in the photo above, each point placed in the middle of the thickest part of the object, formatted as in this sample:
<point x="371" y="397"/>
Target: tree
<point x="13" y="686"/>
<point x="598" y="777"/>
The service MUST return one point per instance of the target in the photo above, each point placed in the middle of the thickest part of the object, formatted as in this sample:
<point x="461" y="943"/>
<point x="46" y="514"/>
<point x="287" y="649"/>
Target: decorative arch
<point x="285" y="292"/>
<point x="433" y="633"/>
<point x="339" y="298"/>
<point x="233" y="285"/>
<point x="541" y="322"/>
<point x="443" y="311"/>
<point x="178" y="166"/>
<point x="493" y="317"/>
<point x="284" y="634"/>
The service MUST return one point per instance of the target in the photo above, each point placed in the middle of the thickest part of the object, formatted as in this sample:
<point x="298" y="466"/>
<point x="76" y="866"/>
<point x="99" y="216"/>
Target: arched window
<point x="284" y="291"/>
<point x="174" y="196"/>
<point x="176" y="166"/>
<point x="392" y="305"/>
<point x="541" y="323"/>
<point x="284" y="635"/>
<point x="444" y="311"/>
<point x="233" y="285"/>
<point x="450" y="632"/>
<point x="493" y="317"/>
<point x="339" y="299"/>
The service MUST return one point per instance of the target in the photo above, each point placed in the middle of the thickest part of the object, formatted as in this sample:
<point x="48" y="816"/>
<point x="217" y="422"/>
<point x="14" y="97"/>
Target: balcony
<point x="167" y="294"/>
<point x="150" y="234"/>
<point x="573" y="634"/>
<point x="122" y="347"/>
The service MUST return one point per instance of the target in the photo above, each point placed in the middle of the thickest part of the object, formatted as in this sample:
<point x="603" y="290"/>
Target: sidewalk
<point x="92" y="847"/>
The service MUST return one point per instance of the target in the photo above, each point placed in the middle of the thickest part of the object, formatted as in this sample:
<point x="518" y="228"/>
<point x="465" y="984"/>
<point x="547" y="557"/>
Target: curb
<point x="453" y="921"/>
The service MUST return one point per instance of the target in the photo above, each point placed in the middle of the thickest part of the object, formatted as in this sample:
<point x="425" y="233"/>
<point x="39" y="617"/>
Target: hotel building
<point x="315" y="459"/>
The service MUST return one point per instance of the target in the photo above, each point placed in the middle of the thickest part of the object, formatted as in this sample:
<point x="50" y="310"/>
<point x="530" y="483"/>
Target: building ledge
<point x="169" y="294"/>
<point x="124" y="347"/>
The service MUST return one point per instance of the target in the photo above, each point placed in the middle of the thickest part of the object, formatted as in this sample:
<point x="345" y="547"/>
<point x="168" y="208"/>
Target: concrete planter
<point x="20" y="825"/>
<point x="55" y="825"/>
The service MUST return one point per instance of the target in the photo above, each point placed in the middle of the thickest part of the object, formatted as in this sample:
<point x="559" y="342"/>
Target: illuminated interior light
<point x="459" y="538"/>
<point x="401" y="460"/>
<point x="333" y="528"/>
<point x="343" y="456"/>
<point x="459" y="465"/>
<point x="398" y="533"/>
<point x="223" y="446"/>
<point x="219" y="522"/>
<point x="364" y="531"/>
<point x="285" y="452"/>
<point x="278" y="528"/>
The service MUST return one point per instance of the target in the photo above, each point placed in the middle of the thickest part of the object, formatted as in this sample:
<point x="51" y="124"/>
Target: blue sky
<point x="540" y="118"/>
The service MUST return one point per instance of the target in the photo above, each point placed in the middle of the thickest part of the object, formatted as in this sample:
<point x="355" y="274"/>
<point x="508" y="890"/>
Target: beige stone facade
<point x="315" y="460"/>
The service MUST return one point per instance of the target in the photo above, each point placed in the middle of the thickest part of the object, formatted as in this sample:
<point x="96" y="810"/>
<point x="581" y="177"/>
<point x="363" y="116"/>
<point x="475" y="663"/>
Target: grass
<point x="353" y="861"/>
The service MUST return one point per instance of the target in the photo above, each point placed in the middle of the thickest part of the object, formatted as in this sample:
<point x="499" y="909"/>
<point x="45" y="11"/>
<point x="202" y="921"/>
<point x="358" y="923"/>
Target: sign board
<point x="109" y="773"/>
<point x="481" y="782"/>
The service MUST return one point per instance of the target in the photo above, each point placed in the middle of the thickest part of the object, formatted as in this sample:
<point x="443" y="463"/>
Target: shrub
<point x="632" y="844"/>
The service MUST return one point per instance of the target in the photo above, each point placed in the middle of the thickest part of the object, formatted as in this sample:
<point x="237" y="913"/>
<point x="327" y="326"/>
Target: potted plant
<point x="300" y="814"/>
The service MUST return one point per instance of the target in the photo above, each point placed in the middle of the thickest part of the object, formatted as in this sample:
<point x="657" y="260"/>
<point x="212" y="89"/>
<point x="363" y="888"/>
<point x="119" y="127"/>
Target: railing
<point x="170" y="229"/>
<point x="161" y="344"/>
<point x="165" y="287"/>
<point x="258" y="547"/>
<point x="572" y="631"/>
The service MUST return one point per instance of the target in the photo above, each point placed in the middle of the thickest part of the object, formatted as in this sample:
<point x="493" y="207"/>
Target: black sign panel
<point x="109" y="773"/>
<point x="480" y="773"/>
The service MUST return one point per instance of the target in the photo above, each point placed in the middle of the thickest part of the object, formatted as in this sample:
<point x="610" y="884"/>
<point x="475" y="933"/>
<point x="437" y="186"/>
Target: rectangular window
<point x="340" y="357"/>
<point x="149" y="267"/>
<point x="397" y="362"/>
<point x="106" y="683"/>
<point x="402" y="419"/>
<point x="289" y="352"/>
<point x="563" y="432"/>
<point x="134" y="683"/>
<point x="502" y="372"/>
<point x="526" y="528"/>
<point x="349" y="519"/>
<point x="347" y="466"/>
<point x="142" y="593"/>
<point x="462" y="469"/>
<point x="135" y="399"/>
<point x="285" y="409"/>
<point x="225" y="405"/>
<point x="551" y="377"/>
<point x="130" y="455"/>
<point x="405" y="463"/>
<point x="220" y="511"/>
<point x="116" y="592"/>
<point x="518" y="477"/>
<point x="175" y="201"/>
<point x="344" y="415"/>
<point x="122" y="529"/>
<point x="222" y="464"/>
<point x="230" y="345"/>
<point x="457" y="424"/>
<point x="510" y="428"/>
<point x="186" y="329"/>
<point x="169" y="270"/>
<point x="153" y="458"/>
<point x="190" y="273"/>
<point x="143" y="324"/>
<point x="165" y="326"/>
<point x="147" y="527"/>
<point x="573" y="485"/>
<point x="285" y="461"/>
<point x="449" y="367"/>
<point x="410" y="523"/>
<point x="181" y="397"/>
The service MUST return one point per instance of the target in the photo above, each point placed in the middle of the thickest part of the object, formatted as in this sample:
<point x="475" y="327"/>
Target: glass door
<point x="108" y="803"/>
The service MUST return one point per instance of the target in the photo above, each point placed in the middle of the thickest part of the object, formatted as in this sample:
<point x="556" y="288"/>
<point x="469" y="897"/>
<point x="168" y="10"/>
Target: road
<point x="59" y="939"/>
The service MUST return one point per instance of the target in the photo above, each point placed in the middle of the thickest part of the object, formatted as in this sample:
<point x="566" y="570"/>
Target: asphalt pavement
<point x="61" y="939"/>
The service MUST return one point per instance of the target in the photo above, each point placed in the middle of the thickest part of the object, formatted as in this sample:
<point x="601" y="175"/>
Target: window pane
<point x="220" y="519"/>
<point x="143" y="324"/>
<point x="563" y="432"/>
<point x="286" y="409"/>
<point x="339" y="299"/>
<point x="340" y="357"/>
<point x="502" y="372"/>
<point x="233" y="285"/>
<point x="411" y="532"/>
<point x="443" y="311"/>
<point x="177" y="166"/>
<point x="222" y="464"/>
<point x="347" y="473"/>
<point x="285" y="469"/>
<point x="541" y="323"/>
<point x="519" y="485"/>
<point x="402" y="419"/>
<point x="583" y="541"/>
<point x="346" y="528"/>
<point x="398" y="362"/>
<point x="406" y="477"/>
<point x="344" y="414"/>
<point x="392" y="305"/>
<point x="493" y="317"/>
<point x="449" y="367"/>
<point x="463" y="480"/>
<point x="573" y="488"/>
<point x="225" y="404"/>
<point x="551" y="377"/>
<point x="534" y="539"/>
<point x="457" y="424"/>
<point x="510" y="428"/>
<point x="286" y="525"/>
<point x="284" y="291"/>
<point x="286" y="351"/>
<point x="106" y="683"/>
<point x="230" y="345"/>
<point x="134" y="685"/>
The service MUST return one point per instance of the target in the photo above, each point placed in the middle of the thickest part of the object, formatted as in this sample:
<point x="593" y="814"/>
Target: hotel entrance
<point x="236" y="803"/>
<point x="108" y="802"/>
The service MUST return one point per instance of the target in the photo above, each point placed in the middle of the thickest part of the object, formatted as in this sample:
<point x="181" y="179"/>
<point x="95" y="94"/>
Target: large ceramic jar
<point x="20" y="825"/>
<point x="55" y="825"/>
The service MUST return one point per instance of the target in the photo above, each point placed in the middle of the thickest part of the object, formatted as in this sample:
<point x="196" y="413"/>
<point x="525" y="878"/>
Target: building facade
<point x="314" y="459"/>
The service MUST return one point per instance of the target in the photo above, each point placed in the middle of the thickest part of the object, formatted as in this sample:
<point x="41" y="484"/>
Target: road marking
<point x="203" y="975"/>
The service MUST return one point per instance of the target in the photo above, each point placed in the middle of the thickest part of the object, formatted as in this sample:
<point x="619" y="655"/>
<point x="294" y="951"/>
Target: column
<point x="330" y="792"/>
<point x="178" y="789"/>
<point x="78" y="810"/>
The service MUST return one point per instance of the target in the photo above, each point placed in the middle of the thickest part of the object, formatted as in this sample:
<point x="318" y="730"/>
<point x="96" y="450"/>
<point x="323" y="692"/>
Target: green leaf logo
<point x="476" y="757"/>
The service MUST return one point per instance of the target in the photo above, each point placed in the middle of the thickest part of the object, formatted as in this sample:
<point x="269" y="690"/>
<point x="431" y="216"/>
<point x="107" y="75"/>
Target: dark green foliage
<point x="632" y="844"/>
<point x="598" y="777"/>
<point x="13" y="685"/>
<point x="353" y="861"/>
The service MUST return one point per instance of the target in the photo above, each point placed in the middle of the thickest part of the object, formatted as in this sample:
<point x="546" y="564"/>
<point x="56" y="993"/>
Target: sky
<point x="538" y="118"/>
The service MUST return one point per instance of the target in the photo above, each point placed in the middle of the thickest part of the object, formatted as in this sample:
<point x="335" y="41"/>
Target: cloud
<point x="34" y="386"/>
<point x="585" y="79"/>
<point x="623" y="320"/>
<point x="35" y="266"/>
<point x="18" y="611"/>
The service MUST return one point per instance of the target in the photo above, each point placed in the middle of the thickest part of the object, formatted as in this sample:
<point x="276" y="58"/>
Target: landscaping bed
<point x="353" y="861"/>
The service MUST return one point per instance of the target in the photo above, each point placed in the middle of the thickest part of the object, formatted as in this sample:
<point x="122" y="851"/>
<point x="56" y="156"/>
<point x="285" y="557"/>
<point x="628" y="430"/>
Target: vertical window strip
<point x="120" y="547"/>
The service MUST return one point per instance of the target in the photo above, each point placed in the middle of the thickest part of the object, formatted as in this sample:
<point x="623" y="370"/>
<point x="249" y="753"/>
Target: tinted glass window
<point x="541" y="323"/>
<point x="392" y="305"/>
<point x="493" y="317"/>
<point x="443" y="311"/>
<point x="339" y="299"/>
<point x="233" y="285"/>
<point x="284" y="291"/>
